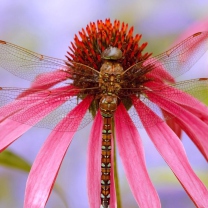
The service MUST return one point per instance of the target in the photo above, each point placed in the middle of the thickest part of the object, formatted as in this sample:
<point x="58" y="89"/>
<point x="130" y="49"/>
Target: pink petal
<point x="94" y="162"/>
<point x="132" y="155"/>
<point x="47" y="80"/>
<point x="12" y="129"/>
<point x="172" y="123"/>
<point x="29" y="111"/>
<point x="94" y="166"/>
<point x="185" y="100"/>
<point x="171" y="149"/>
<point x="198" y="112"/>
<point x="45" y="168"/>
<point x="192" y="125"/>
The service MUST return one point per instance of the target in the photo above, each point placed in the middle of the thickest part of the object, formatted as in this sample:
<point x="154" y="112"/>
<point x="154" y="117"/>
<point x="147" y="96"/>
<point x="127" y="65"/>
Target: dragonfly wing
<point x="27" y="64"/>
<point x="51" y="120"/>
<point x="198" y="88"/>
<point x="177" y="60"/>
<point x="41" y="108"/>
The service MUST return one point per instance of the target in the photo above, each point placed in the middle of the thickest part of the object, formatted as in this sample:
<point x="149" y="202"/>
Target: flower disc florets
<point x="97" y="37"/>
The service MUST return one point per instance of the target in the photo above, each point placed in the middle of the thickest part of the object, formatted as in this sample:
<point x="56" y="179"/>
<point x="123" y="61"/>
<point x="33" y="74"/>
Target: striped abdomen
<point x="106" y="162"/>
<point x="108" y="105"/>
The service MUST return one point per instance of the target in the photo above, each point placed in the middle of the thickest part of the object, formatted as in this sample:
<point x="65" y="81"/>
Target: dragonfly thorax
<point x="110" y="78"/>
<point x="110" y="83"/>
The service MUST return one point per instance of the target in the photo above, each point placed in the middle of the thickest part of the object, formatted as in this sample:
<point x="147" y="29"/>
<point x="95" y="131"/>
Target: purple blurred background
<point x="48" y="27"/>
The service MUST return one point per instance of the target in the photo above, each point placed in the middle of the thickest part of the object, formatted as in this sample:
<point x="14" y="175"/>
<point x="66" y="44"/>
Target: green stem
<point x="117" y="187"/>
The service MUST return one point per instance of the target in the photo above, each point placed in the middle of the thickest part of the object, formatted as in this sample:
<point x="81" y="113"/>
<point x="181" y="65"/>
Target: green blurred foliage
<point x="164" y="177"/>
<point x="12" y="160"/>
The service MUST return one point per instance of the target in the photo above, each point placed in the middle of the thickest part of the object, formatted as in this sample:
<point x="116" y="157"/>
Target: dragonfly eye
<point x="112" y="53"/>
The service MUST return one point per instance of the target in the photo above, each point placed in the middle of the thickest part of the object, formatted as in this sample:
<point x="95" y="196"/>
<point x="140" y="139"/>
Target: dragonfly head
<point x="111" y="53"/>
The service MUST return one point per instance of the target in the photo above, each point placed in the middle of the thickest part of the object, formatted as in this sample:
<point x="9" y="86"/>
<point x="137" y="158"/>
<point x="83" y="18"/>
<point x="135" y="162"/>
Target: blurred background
<point x="48" y="27"/>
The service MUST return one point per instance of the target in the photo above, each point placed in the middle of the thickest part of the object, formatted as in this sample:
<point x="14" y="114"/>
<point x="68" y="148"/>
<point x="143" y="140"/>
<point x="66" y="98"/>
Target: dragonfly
<point x="108" y="86"/>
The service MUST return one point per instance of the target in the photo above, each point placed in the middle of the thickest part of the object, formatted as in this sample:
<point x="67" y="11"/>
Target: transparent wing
<point x="27" y="64"/>
<point x="198" y="88"/>
<point x="41" y="108"/>
<point x="178" y="59"/>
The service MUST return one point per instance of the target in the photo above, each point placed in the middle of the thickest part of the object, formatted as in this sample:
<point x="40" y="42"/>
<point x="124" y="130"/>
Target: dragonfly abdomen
<point x="108" y="105"/>
<point x="106" y="162"/>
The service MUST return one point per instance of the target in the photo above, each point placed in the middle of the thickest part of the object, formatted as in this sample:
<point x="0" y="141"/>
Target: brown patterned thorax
<point x="110" y="77"/>
<point x="110" y="84"/>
